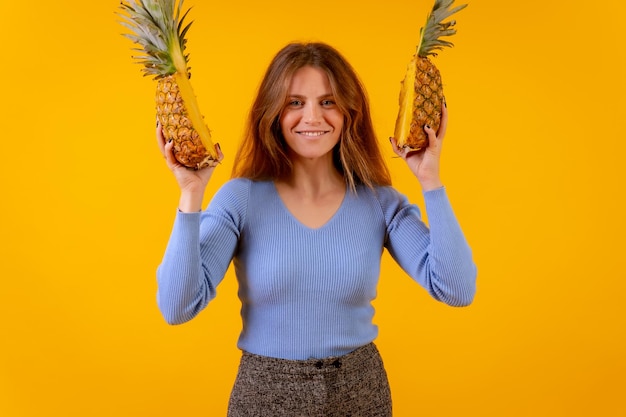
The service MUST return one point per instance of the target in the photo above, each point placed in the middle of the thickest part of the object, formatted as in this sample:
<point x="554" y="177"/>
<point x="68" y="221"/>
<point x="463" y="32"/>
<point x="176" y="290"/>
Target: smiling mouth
<point x="313" y="134"/>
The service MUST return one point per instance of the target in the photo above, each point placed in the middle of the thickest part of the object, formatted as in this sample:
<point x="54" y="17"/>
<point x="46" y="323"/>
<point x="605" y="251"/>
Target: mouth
<point x="312" y="133"/>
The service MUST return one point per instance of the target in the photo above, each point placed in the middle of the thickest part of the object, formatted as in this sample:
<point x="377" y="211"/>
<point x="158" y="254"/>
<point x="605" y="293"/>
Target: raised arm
<point x="200" y="247"/>
<point x="438" y="255"/>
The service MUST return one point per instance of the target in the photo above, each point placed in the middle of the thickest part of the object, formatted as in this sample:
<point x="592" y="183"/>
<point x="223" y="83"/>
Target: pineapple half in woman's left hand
<point x="158" y="27"/>
<point x="421" y="95"/>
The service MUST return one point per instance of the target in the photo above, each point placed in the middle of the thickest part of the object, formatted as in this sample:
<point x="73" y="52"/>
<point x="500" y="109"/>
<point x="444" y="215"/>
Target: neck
<point x="314" y="177"/>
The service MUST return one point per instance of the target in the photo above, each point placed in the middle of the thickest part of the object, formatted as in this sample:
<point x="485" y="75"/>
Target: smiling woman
<point x="308" y="176"/>
<point x="263" y="153"/>
<point x="533" y="162"/>
<point x="311" y="122"/>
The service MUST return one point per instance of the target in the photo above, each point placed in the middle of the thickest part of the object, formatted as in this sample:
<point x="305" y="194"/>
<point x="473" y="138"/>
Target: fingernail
<point x="218" y="146"/>
<point x="390" y="138"/>
<point x="169" y="141"/>
<point x="157" y="125"/>
<point x="444" y="103"/>
<point x="427" y="126"/>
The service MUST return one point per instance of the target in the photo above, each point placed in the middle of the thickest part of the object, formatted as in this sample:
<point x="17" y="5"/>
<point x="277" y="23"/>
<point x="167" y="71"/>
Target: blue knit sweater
<point x="307" y="293"/>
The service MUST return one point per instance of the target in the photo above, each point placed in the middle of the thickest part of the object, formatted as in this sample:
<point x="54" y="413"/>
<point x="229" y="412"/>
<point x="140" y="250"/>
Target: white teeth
<point x="312" y="133"/>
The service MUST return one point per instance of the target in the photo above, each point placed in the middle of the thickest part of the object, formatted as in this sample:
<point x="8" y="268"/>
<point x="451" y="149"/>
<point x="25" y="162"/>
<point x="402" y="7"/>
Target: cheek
<point x="287" y="122"/>
<point x="283" y="125"/>
<point x="337" y="117"/>
<point x="339" y="122"/>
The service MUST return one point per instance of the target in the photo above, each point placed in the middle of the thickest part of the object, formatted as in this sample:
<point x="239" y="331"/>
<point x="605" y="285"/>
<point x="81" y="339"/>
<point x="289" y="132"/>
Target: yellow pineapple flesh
<point x="158" y="27"/>
<point x="421" y="93"/>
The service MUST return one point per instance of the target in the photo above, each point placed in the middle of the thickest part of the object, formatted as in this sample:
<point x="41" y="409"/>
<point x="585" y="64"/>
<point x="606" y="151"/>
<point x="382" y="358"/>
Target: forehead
<point x="309" y="79"/>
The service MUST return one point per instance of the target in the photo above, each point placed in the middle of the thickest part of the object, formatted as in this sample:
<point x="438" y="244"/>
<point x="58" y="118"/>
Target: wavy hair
<point x="263" y="153"/>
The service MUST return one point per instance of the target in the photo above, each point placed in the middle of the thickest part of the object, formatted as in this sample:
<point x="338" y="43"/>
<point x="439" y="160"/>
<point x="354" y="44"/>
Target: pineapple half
<point x="421" y="94"/>
<point x="158" y="27"/>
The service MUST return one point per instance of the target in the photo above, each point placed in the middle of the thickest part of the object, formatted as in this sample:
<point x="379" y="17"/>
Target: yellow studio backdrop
<point x="533" y="162"/>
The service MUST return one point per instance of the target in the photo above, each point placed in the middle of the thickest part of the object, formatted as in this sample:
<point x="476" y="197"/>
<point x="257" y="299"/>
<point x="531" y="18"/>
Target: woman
<point x="305" y="219"/>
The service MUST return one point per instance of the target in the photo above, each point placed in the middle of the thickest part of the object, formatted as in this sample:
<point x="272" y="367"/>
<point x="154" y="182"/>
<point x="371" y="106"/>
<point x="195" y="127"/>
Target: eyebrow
<point x="319" y="98"/>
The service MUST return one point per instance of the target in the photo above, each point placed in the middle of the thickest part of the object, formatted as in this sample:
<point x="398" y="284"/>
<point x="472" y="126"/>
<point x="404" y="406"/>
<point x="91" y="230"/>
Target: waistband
<point x="289" y="366"/>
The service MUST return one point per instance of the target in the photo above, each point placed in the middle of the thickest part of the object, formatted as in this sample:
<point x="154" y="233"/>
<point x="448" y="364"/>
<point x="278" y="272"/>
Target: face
<point x="311" y="123"/>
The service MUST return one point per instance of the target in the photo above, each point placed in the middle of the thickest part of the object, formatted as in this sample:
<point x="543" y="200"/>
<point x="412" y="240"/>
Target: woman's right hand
<point x="192" y="182"/>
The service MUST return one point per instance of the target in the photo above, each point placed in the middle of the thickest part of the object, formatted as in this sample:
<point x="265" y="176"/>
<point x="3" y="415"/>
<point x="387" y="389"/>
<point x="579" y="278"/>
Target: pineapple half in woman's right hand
<point x="158" y="27"/>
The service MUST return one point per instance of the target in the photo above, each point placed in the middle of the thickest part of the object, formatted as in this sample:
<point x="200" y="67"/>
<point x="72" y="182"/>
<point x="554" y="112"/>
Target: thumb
<point x="434" y="141"/>
<point x="169" y="154"/>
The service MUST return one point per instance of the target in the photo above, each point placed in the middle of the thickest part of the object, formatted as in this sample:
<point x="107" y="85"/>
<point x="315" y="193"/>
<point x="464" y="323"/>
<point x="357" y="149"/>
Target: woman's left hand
<point x="425" y="163"/>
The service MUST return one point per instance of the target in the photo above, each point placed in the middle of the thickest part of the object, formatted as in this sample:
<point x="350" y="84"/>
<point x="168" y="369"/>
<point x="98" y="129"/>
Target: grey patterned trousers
<point x="353" y="385"/>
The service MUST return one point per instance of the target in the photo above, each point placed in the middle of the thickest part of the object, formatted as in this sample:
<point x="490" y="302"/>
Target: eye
<point x="328" y="103"/>
<point x="295" y="103"/>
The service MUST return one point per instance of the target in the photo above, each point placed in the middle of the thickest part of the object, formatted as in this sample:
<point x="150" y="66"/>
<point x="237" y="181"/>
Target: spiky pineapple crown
<point x="435" y="28"/>
<point x="158" y="27"/>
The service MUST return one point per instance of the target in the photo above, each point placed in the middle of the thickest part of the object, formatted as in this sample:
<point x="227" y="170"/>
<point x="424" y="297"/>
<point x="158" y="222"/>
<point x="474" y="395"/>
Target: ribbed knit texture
<point x="307" y="293"/>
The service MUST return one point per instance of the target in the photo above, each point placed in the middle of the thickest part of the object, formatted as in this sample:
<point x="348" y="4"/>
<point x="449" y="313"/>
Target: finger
<point x="220" y="155"/>
<point x="394" y="146"/>
<point x="443" y="125"/>
<point x="215" y="162"/>
<point x="160" y="138"/>
<point x="169" y="154"/>
<point x="433" y="140"/>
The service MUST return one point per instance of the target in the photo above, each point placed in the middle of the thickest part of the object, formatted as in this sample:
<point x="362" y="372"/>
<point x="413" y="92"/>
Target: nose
<point x="312" y="114"/>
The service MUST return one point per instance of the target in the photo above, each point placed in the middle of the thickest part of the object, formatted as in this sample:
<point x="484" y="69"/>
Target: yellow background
<point x="533" y="162"/>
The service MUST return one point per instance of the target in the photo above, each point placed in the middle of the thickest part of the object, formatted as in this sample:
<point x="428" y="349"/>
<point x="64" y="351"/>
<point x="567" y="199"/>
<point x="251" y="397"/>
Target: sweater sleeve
<point x="199" y="251"/>
<point x="436" y="256"/>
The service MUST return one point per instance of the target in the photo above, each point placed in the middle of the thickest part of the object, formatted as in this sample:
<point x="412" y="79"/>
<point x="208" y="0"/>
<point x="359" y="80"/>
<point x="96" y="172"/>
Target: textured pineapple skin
<point x="176" y="125"/>
<point x="422" y="96"/>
